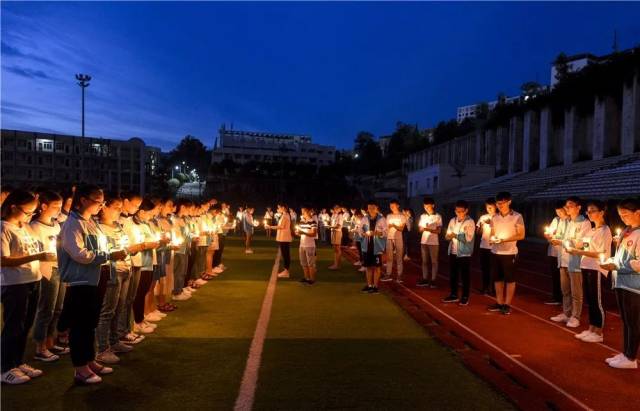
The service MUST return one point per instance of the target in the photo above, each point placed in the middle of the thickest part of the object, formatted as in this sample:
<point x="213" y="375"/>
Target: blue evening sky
<point x="164" y="70"/>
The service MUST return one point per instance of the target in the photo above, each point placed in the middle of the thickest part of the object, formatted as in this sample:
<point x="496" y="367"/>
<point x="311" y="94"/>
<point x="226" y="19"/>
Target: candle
<point x="567" y="244"/>
<point x="297" y="227"/>
<point x="423" y="224"/>
<point x="256" y="223"/>
<point x="123" y="242"/>
<point x="51" y="246"/>
<point x="102" y="243"/>
<point x="369" y="233"/>
<point x="137" y="235"/>
<point x="618" y="231"/>
<point x="602" y="260"/>
<point x="547" y="230"/>
<point x="585" y="243"/>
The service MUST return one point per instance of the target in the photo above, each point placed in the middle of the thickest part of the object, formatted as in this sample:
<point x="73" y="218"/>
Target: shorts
<point x="372" y="260"/>
<point x="336" y="237"/>
<point x="160" y="269"/>
<point x="503" y="267"/>
<point x="307" y="257"/>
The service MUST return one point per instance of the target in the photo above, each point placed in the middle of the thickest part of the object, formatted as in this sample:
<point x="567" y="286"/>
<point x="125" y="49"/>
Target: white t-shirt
<point x="119" y="241"/>
<point x="19" y="242"/>
<point x="47" y="235"/>
<point x="599" y="240"/>
<point x="576" y="230"/>
<point x="485" y="223"/>
<point x="466" y="226"/>
<point x="398" y="219"/>
<point x="505" y="227"/>
<point x="431" y="221"/>
<point x="135" y="235"/>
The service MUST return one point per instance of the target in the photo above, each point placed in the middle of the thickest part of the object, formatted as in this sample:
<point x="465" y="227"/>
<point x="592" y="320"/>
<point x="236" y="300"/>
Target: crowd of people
<point x="91" y="273"/>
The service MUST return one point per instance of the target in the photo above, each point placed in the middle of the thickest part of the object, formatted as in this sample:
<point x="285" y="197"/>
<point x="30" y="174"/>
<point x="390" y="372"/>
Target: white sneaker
<point x="593" y="338"/>
<point x="15" y="376"/>
<point x="142" y="328"/>
<point x="190" y="290"/>
<point x="132" y="338"/>
<point x="29" y="371"/>
<point x="218" y="270"/>
<point x="582" y="334"/>
<point x="181" y="297"/>
<point x="148" y="324"/>
<point x="152" y="317"/>
<point x="624" y="363"/>
<point x="560" y="318"/>
<point x="248" y="251"/>
<point x="573" y="322"/>
<point x="357" y="263"/>
<point x="614" y="358"/>
<point x="200" y="281"/>
<point x="386" y="278"/>
<point x="159" y="313"/>
<point x="108" y="357"/>
<point x="362" y="269"/>
<point x="283" y="274"/>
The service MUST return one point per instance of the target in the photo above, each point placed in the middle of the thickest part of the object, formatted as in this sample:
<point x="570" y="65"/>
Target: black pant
<point x="629" y="305"/>
<point x="19" y="305"/>
<point x="345" y="236"/>
<point x="83" y="307"/>
<point x="191" y="260"/>
<point x="143" y="288"/>
<point x="217" y="258"/>
<point x="592" y="293"/>
<point x="285" y="253"/>
<point x="555" y="278"/>
<point x="459" y="267"/>
<point x="485" y="267"/>
<point x="359" y="245"/>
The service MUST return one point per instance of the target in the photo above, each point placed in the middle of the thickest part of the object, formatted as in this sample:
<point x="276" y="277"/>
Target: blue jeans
<point x="112" y="310"/>
<point x="49" y="306"/>
<point x="125" y="321"/>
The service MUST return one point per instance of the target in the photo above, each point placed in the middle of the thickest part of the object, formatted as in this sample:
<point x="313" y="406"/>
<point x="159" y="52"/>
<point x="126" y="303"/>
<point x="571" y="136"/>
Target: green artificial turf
<point x="328" y="346"/>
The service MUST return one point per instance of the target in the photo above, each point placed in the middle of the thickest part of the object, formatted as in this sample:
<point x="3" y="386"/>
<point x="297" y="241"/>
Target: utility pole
<point x="83" y="82"/>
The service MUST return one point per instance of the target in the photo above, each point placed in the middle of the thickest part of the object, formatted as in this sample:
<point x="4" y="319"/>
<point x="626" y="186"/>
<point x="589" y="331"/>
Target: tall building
<point x="245" y="146"/>
<point x="31" y="159"/>
<point x="471" y="111"/>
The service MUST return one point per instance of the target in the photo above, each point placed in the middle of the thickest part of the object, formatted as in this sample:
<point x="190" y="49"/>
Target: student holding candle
<point x="336" y="236"/>
<point x="46" y="230"/>
<point x="595" y="246"/>
<point x="406" y="231"/>
<point x="308" y="231"/>
<point x="268" y="220"/>
<point x="248" y="227"/>
<point x="165" y="285"/>
<point x="374" y="232"/>
<point x="578" y="227"/>
<point x="20" y="279"/>
<point x="357" y="237"/>
<point x="625" y="268"/>
<point x="180" y="234"/>
<point x="484" y="229"/>
<point x="284" y="238"/>
<point x="460" y="234"/>
<point x="430" y="226"/>
<point x="80" y="262"/>
<point x="396" y="222"/>
<point x="162" y="256"/>
<point x="507" y="228"/>
<point x="553" y="231"/>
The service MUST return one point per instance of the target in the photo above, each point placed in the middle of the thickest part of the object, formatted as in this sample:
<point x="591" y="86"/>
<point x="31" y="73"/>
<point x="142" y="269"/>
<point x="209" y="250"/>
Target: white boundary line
<point x="249" y="383"/>
<point x="501" y="351"/>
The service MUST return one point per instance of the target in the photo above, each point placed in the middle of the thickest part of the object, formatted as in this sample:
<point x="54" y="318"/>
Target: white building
<point x="442" y="177"/>
<point x="471" y="110"/>
<point x="245" y="146"/>
<point x="574" y="63"/>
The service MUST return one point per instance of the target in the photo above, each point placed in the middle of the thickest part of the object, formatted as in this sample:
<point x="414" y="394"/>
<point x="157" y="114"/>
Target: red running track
<point x="537" y="363"/>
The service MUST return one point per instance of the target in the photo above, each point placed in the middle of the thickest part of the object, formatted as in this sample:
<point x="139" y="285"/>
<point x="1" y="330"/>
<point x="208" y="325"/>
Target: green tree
<point x="561" y="63"/>
<point x="193" y="153"/>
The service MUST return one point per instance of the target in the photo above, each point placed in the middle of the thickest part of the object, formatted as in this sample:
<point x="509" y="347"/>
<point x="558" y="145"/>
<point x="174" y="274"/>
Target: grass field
<point x="327" y="346"/>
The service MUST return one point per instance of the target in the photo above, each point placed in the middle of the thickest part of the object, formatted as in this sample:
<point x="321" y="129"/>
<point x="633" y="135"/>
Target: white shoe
<point x="159" y="313"/>
<point x="15" y="376"/>
<point x="386" y="278"/>
<point x="218" y="270"/>
<point x="560" y="318"/>
<point x="148" y="324"/>
<point x="248" y="251"/>
<point x="624" y="363"/>
<point x="152" y="317"/>
<point x="593" y="338"/>
<point x="142" y="329"/>
<point x="132" y="339"/>
<point x="362" y="269"/>
<point x="200" y="281"/>
<point x="181" y="297"/>
<point x="29" y="371"/>
<point x="573" y="322"/>
<point x="357" y="263"/>
<point x="283" y="274"/>
<point x="108" y="357"/>
<point x="614" y="358"/>
<point x="222" y="267"/>
<point x="582" y="334"/>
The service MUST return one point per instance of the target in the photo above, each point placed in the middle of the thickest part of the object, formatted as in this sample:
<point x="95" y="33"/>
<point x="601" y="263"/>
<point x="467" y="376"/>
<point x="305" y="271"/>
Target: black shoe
<point x="450" y="299"/>
<point x="432" y="284"/>
<point x="464" y="301"/>
<point x="495" y="307"/>
<point x="373" y="290"/>
<point x="423" y="283"/>
<point x="366" y="289"/>
<point x="309" y="282"/>
<point x="505" y="310"/>
<point x="303" y="280"/>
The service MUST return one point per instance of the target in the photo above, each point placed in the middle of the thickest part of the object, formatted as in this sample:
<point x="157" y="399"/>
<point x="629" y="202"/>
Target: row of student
<point x="101" y="274"/>
<point x="580" y="259"/>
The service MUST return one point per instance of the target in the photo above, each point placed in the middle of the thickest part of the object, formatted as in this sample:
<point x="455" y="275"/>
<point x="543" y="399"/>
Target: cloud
<point x="12" y="51"/>
<point x="27" y="72"/>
